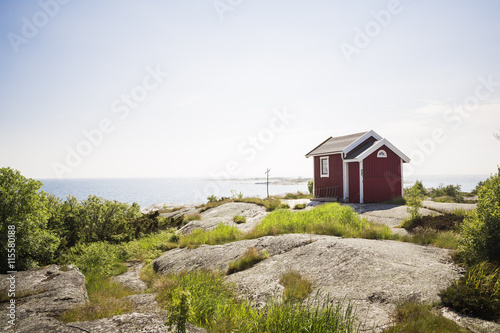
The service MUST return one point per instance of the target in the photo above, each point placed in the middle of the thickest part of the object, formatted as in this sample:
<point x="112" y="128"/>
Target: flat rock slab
<point x="131" y="278"/>
<point x="211" y="218"/>
<point x="473" y="324"/>
<point x="44" y="292"/>
<point x="390" y="215"/>
<point x="446" y="207"/>
<point x="130" y="323"/>
<point x="217" y="257"/>
<point x="374" y="274"/>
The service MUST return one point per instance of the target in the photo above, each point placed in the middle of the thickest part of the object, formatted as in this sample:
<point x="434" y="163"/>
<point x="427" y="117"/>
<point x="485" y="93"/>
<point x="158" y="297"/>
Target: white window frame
<point x="321" y="159"/>
<point x="382" y="154"/>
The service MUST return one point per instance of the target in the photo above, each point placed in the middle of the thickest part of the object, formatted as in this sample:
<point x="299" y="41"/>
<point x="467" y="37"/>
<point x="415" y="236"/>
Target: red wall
<point x="335" y="175"/>
<point x="381" y="176"/>
<point x="353" y="181"/>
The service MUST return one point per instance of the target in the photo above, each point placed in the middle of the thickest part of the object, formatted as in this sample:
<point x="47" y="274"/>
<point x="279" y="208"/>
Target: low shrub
<point x="249" y="258"/>
<point x="299" y="206"/>
<point x="415" y="317"/>
<point x="298" y="195"/>
<point x="480" y="232"/>
<point x="477" y="293"/>
<point x="446" y="221"/>
<point x="447" y="192"/>
<point x="297" y="288"/>
<point x="239" y="219"/>
<point x="310" y="186"/>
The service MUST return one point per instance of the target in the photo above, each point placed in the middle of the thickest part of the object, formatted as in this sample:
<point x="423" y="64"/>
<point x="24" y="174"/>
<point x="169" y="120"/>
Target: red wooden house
<point x="361" y="167"/>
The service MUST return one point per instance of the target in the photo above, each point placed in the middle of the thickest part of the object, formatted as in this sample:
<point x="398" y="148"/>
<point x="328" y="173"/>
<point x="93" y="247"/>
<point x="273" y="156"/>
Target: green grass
<point x="427" y="236"/>
<point x="239" y="219"/>
<point x="299" y="206"/>
<point x="106" y="299"/>
<point x="191" y="217"/>
<point x="329" y="219"/>
<point x="249" y="258"/>
<point x="414" y="317"/>
<point x="477" y="293"/>
<point x="401" y="201"/>
<point x="297" y="288"/>
<point x="219" y="235"/>
<point x="298" y="195"/>
<point x="270" y="204"/>
<point x="216" y="307"/>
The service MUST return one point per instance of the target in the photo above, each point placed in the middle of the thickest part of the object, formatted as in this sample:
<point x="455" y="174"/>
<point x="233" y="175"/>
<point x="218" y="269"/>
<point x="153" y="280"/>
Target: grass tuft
<point x="477" y="293"/>
<point x="106" y="299"/>
<point x="249" y="258"/>
<point x="297" y="288"/>
<point x="299" y="206"/>
<point x="239" y="219"/>
<point x="221" y="234"/>
<point x="216" y="307"/>
<point x="415" y="317"/>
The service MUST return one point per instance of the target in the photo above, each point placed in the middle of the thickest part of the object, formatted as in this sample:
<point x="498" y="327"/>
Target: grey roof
<point x="367" y="144"/>
<point x="335" y="145"/>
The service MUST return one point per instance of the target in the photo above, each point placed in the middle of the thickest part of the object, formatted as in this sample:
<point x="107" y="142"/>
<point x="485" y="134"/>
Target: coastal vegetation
<point x="98" y="236"/>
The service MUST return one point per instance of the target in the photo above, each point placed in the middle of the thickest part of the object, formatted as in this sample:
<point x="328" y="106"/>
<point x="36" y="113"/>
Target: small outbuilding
<point x="361" y="167"/>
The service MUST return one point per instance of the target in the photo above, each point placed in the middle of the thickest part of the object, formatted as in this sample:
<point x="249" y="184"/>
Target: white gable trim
<point x="379" y="144"/>
<point x="361" y="140"/>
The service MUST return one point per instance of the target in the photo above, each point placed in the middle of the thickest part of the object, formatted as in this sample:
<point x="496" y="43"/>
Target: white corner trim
<point x="401" y="172"/>
<point x="361" y="182"/>
<point x="321" y="175"/>
<point x="361" y="140"/>
<point x="345" y="174"/>
<point x="379" y="144"/>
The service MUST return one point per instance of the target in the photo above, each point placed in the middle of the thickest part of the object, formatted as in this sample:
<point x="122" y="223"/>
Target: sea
<point x="149" y="191"/>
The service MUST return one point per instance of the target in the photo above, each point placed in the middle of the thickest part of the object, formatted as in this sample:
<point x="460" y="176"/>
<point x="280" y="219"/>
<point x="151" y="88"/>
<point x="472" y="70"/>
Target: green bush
<point x="475" y="191"/>
<point x="453" y="191"/>
<point x="417" y="187"/>
<point x="299" y="206"/>
<point x="414" y="197"/>
<point x="98" y="257"/>
<point x="477" y="293"/>
<point x="480" y="234"/>
<point x="24" y="213"/>
<point x="310" y="186"/>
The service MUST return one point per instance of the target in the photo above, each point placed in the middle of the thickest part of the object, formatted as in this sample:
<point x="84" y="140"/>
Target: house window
<point x="324" y="167"/>
<point x="381" y="154"/>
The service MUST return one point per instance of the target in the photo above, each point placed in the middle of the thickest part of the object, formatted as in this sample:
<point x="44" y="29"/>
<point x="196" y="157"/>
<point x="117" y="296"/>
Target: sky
<point x="229" y="88"/>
